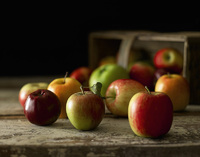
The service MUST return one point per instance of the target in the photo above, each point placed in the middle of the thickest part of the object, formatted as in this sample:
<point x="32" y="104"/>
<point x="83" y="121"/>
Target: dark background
<point x="51" y="41"/>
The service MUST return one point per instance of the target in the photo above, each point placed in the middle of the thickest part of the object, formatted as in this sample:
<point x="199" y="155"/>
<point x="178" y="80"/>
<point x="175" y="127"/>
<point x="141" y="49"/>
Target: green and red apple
<point x="143" y="73"/>
<point x="177" y="88"/>
<point x="150" y="114"/>
<point x="119" y="93"/>
<point x="85" y="110"/>
<point x="28" y="89"/>
<point x="169" y="59"/>
<point x="106" y="74"/>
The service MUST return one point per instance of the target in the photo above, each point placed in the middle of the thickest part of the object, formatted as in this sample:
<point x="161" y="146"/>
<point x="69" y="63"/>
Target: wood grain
<point x="113" y="137"/>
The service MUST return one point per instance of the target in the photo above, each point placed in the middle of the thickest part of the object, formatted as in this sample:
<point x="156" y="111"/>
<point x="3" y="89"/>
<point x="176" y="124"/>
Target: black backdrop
<point x="54" y="41"/>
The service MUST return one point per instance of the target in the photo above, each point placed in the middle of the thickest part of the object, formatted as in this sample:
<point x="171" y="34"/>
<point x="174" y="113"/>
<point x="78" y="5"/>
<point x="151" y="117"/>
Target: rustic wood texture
<point x="113" y="137"/>
<point x="9" y="104"/>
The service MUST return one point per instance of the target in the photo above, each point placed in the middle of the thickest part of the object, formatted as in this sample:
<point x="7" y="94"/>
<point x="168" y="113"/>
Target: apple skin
<point x="28" y="89"/>
<point x="169" y="59"/>
<point x="143" y="73"/>
<point x="106" y="74"/>
<point x="64" y="88"/>
<point x="159" y="72"/>
<point x="42" y="107"/>
<point x="82" y="74"/>
<point x="85" y="111"/>
<point x="107" y="60"/>
<point x="150" y="114"/>
<point x="119" y="94"/>
<point x="177" y="88"/>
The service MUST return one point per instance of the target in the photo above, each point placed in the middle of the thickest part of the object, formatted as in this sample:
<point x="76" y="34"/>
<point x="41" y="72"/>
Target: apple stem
<point x="42" y="92"/>
<point x="66" y="74"/>
<point x="147" y="89"/>
<point x="82" y="90"/>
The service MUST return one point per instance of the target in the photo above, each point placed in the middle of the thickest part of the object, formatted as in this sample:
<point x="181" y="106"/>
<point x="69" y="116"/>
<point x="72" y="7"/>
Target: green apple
<point x="106" y="74"/>
<point x="85" y="110"/>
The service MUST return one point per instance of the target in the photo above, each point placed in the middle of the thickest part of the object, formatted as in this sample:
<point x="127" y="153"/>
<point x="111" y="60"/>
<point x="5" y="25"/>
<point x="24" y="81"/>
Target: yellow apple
<point x="176" y="87"/>
<point x="107" y="60"/>
<point x="64" y="88"/>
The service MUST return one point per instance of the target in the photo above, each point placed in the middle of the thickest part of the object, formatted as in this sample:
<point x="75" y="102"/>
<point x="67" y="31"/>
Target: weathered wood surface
<point x="9" y="104"/>
<point x="113" y="137"/>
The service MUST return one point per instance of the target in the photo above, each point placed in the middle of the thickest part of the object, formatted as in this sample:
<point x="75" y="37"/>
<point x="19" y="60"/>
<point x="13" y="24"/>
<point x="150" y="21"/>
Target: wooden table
<point x="113" y="137"/>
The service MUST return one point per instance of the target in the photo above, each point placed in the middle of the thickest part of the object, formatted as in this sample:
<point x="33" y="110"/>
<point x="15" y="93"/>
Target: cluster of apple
<point x="150" y="114"/>
<point x="166" y="60"/>
<point x="44" y="103"/>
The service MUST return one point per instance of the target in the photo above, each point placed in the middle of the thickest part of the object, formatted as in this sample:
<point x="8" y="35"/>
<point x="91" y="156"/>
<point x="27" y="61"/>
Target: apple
<point x="119" y="93"/>
<point x="107" y="60"/>
<point x="29" y="88"/>
<point x="169" y="59"/>
<point x="42" y="107"/>
<point x="150" y="114"/>
<point x="106" y="74"/>
<point x="158" y="73"/>
<point x="64" y="88"/>
<point x="135" y="55"/>
<point x="82" y="74"/>
<point x="143" y="73"/>
<point x="85" y="110"/>
<point x="177" y="88"/>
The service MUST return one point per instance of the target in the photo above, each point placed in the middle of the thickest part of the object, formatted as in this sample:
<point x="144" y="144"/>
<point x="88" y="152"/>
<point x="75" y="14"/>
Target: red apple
<point x="82" y="74"/>
<point x="28" y="89"/>
<point x="119" y="93"/>
<point x="169" y="59"/>
<point x="85" y="110"/>
<point x="143" y="73"/>
<point x="177" y="88"/>
<point x="42" y="107"/>
<point x="150" y="114"/>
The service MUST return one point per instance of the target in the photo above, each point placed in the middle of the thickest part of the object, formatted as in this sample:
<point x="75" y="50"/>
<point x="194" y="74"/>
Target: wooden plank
<point x="9" y="104"/>
<point x="113" y="137"/>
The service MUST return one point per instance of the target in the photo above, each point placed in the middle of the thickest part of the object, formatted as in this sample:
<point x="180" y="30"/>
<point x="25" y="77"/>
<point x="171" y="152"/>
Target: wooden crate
<point x="106" y="43"/>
